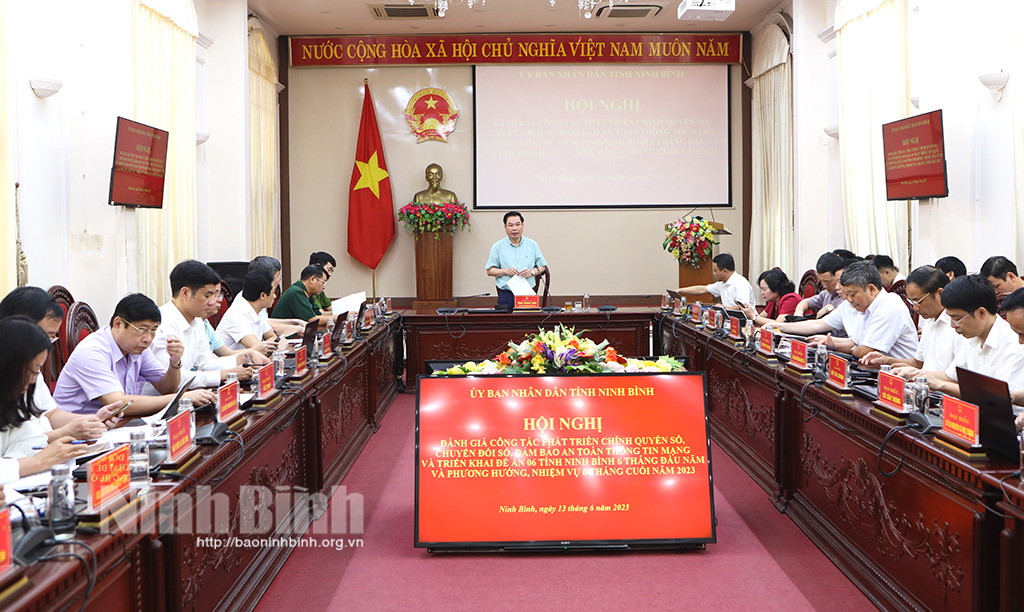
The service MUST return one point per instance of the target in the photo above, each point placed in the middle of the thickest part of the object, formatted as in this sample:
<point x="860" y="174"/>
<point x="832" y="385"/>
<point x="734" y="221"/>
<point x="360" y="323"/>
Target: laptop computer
<point x="996" y="430"/>
<point x="168" y="411"/>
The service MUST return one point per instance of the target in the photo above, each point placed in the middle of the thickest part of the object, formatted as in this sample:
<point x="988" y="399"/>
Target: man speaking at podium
<point x="514" y="255"/>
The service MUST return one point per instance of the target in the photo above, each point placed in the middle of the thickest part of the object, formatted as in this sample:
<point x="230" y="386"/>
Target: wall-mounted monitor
<point x="915" y="158"/>
<point x="140" y="159"/>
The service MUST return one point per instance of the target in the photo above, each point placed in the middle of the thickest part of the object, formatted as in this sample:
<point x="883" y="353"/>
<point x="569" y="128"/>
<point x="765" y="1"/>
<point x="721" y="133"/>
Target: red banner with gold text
<point x="517" y="49"/>
<point x="564" y="459"/>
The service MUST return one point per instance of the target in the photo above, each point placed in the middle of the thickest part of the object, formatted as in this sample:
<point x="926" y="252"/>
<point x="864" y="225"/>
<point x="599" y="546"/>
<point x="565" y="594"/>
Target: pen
<point x="71" y="442"/>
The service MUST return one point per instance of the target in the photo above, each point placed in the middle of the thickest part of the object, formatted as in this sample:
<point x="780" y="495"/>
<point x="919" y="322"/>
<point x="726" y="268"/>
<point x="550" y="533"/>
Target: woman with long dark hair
<point x="24" y="351"/>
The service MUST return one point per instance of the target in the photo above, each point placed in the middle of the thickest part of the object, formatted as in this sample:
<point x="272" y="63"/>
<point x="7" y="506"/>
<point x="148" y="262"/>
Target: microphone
<point x="611" y="308"/>
<point x="448" y="310"/>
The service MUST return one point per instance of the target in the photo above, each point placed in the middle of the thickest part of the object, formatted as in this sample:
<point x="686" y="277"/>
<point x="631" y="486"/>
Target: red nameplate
<point x="266" y="380"/>
<point x="767" y="343"/>
<point x="890" y="390"/>
<point x="108" y="477"/>
<point x="527" y="301"/>
<point x="179" y="436"/>
<point x="5" y="539"/>
<point x="368" y="318"/>
<point x="695" y="311"/>
<point x="227" y="401"/>
<point x="300" y="361"/>
<point x="712" y="315"/>
<point x="798" y="354"/>
<point x="734" y="328"/>
<point x="960" y="419"/>
<point x="837" y="371"/>
<point x="326" y="352"/>
<point x="677" y="306"/>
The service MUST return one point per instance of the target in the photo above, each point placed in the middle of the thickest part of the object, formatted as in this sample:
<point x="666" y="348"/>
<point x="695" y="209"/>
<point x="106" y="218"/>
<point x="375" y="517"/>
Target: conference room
<point x="601" y="124"/>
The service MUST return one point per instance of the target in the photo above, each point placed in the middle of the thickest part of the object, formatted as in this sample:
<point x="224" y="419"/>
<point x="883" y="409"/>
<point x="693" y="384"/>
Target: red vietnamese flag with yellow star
<point x="371" y="209"/>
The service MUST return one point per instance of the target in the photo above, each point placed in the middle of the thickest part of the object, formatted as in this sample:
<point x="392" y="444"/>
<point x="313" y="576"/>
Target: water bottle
<point x="138" y="461"/>
<point x="921" y="394"/>
<point x="278" y="364"/>
<point x="748" y="332"/>
<point x="885" y="368"/>
<point x="821" y="358"/>
<point x="586" y="302"/>
<point x="330" y="328"/>
<point x="60" y="502"/>
<point x="230" y="378"/>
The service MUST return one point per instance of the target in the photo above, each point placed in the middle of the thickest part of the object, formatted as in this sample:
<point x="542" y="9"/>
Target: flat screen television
<point x="915" y="158"/>
<point x="563" y="462"/>
<point x="140" y="159"/>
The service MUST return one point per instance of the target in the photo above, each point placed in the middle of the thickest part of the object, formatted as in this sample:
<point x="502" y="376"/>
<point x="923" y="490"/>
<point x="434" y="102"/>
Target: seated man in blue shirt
<point x="514" y="255"/>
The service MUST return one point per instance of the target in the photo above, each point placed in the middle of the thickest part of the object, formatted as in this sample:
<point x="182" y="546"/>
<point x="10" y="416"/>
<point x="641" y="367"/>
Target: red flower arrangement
<point x="422" y="218"/>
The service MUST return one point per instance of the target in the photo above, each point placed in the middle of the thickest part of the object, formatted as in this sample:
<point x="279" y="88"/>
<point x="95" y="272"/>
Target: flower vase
<point x="434" y="266"/>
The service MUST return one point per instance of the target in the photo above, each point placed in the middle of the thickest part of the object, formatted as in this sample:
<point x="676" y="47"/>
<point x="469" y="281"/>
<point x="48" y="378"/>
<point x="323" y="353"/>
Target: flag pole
<point x="373" y="276"/>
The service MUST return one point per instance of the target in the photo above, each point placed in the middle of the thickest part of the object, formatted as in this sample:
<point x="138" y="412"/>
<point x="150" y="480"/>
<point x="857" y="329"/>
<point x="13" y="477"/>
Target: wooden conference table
<point x="924" y="538"/>
<point x="464" y="336"/>
<point x="306" y="440"/>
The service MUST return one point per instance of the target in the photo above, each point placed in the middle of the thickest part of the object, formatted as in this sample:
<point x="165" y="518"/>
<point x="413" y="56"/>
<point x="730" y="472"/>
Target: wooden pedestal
<point x="434" y="266"/>
<point x="697" y="276"/>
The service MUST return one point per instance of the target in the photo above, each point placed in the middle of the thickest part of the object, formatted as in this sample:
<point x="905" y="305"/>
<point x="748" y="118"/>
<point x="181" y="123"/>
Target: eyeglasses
<point x="918" y="301"/>
<point x="143" y="331"/>
<point x="956" y="322"/>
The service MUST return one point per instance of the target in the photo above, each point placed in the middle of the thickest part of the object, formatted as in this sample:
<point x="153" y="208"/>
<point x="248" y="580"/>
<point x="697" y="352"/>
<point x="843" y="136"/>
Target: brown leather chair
<point x="81" y="322"/>
<point x="544" y="278"/>
<point x="59" y="354"/>
<point x="226" y="299"/>
<point x="809" y="284"/>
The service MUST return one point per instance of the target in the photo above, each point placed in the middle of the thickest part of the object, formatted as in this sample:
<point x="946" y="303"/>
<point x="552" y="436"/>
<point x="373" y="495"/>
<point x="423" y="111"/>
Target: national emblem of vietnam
<point x="431" y="114"/>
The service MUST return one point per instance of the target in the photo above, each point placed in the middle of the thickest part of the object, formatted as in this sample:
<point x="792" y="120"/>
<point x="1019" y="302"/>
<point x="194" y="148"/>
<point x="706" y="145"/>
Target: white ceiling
<point x="349" y="17"/>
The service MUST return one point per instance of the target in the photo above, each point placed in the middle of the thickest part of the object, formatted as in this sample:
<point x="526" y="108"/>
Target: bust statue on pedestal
<point x="434" y="194"/>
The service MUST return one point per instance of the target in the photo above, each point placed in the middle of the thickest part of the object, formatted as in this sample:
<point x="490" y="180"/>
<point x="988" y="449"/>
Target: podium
<point x="433" y="269"/>
<point x="688" y="275"/>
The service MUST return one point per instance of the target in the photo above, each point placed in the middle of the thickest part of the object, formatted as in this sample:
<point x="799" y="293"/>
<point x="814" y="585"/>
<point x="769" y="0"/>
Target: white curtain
<point x="165" y="97"/>
<point x="874" y="89"/>
<point x="8" y="160"/>
<point x="264" y="180"/>
<point x="1018" y="148"/>
<point x="771" y="242"/>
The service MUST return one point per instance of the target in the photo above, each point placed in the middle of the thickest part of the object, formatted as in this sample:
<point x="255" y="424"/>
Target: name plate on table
<point x="695" y="313"/>
<point x="265" y="379"/>
<point x="227" y="401"/>
<point x="179" y="437"/>
<point x="5" y="539"/>
<point x="960" y="420"/>
<point x="108" y="478"/>
<point x="300" y="361"/>
<point x="712" y="318"/>
<point x="798" y="355"/>
<point x="325" y="351"/>
<point x="734" y="328"/>
<point x="891" y="389"/>
<point x="767" y="342"/>
<point x="368" y="318"/>
<point x="527" y="301"/>
<point x="837" y="372"/>
<point x="677" y="306"/>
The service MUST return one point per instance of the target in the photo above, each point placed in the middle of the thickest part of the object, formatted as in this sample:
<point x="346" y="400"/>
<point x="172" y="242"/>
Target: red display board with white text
<point x="915" y="158"/>
<point x="140" y="160"/>
<point x="563" y="462"/>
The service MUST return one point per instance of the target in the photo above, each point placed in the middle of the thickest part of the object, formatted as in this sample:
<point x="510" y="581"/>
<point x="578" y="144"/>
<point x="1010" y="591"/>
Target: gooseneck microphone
<point x="448" y="310"/>
<point x="612" y="308"/>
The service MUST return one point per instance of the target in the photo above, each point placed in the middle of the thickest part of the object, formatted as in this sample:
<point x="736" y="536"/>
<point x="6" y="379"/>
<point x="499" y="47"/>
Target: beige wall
<point x="600" y="252"/>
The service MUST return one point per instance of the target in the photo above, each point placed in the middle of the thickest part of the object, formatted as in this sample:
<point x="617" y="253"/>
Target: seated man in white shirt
<point x="283" y="327"/>
<point x="194" y="287"/>
<point x="244" y="325"/>
<point x="939" y="341"/>
<point x="991" y="347"/>
<point x="873" y="319"/>
<point x="887" y="270"/>
<point x="1013" y="305"/>
<point x="730" y="288"/>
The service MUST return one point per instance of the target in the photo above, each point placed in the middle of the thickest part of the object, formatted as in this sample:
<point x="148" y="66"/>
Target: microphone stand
<point x="612" y="308"/>
<point x="448" y="310"/>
